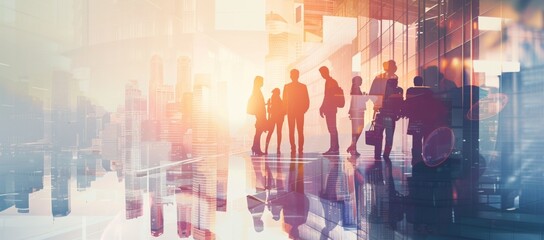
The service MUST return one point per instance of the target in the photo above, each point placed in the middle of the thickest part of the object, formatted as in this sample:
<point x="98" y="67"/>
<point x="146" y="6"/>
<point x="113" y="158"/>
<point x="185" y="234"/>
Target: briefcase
<point x="372" y="136"/>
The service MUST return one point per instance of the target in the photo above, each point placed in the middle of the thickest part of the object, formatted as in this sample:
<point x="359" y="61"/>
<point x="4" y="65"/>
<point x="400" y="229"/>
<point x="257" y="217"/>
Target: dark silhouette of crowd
<point x="422" y="107"/>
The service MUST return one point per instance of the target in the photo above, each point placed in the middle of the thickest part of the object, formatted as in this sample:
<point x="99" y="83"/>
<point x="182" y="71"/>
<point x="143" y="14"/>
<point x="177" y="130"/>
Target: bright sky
<point x="240" y="15"/>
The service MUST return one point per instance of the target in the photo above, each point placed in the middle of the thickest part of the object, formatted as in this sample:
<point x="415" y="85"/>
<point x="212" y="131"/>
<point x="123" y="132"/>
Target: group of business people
<point x="294" y="103"/>
<point x="389" y="106"/>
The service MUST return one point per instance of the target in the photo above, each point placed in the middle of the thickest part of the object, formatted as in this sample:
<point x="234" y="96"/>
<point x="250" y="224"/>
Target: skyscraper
<point x="60" y="184"/>
<point x="314" y="10"/>
<point x="155" y="83"/>
<point x="135" y="109"/>
<point x="205" y="170"/>
<point x="223" y="141"/>
<point x="183" y="205"/>
<point x="278" y="49"/>
<point x="184" y="77"/>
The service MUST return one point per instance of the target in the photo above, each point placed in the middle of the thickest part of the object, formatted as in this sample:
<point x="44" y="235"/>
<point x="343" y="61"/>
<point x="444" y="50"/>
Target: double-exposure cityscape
<point x="271" y="119"/>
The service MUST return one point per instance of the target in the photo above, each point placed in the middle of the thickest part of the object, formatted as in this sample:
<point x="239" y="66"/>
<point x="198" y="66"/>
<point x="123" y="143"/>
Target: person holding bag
<point x="356" y="113"/>
<point x="256" y="106"/>
<point x="388" y="115"/>
<point x="378" y="89"/>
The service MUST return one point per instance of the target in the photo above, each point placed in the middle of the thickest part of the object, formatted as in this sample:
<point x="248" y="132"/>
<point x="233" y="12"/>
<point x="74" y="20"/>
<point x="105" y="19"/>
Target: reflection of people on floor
<point x="356" y="112"/>
<point x="295" y="203"/>
<point x="418" y="108"/>
<point x="277" y="189"/>
<point x="377" y="194"/>
<point x="329" y="108"/>
<point x="256" y="106"/>
<point x="338" y="195"/>
<point x="396" y="200"/>
<point x="430" y="199"/>
<point x="387" y="117"/>
<point x="257" y="202"/>
<point x="332" y="195"/>
<point x="276" y="114"/>
<point x="296" y="101"/>
<point x="271" y="191"/>
<point x="255" y="205"/>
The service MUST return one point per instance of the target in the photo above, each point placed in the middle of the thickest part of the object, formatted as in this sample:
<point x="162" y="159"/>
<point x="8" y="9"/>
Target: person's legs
<point x="379" y="127"/>
<point x="257" y="141"/>
<point x="417" y="147"/>
<point x="256" y="138"/>
<point x="334" y="134"/>
<point x="356" y="129"/>
<point x="291" y="123"/>
<point x="279" y="124"/>
<point x="331" y="126"/>
<point x="300" y="129"/>
<point x="389" y="131"/>
<point x="268" y="137"/>
<point x="353" y="134"/>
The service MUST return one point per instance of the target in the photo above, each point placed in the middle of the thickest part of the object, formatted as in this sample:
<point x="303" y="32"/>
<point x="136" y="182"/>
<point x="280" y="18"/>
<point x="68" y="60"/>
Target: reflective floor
<point x="68" y="195"/>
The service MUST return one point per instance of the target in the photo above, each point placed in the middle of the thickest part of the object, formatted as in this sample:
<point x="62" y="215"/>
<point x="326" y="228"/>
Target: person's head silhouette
<point x="390" y="66"/>
<point x="294" y="75"/>
<point x="324" y="72"/>
<point x="357" y="81"/>
<point x="276" y="92"/>
<point x="258" y="82"/>
<point x="258" y="225"/>
<point x="418" y="81"/>
<point x="392" y="82"/>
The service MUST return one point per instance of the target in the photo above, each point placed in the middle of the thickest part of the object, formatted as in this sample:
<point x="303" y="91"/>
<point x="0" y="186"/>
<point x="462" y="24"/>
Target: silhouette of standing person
<point x="378" y="84"/>
<point x="328" y="110"/>
<point x="256" y="106"/>
<point x="356" y="113"/>
<point x="418" y="103"/>
<point x="377" y="89"/>
<point x="390" y="112"/>
<point x="296" y="102"/>
<point x="276" y="114"/>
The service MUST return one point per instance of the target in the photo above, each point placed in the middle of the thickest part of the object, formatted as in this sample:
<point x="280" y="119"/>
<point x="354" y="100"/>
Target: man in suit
<point x="328" y="110"/>
<point x="296" y="101"/>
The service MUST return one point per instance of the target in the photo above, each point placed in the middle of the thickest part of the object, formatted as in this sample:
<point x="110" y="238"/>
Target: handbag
<point x="372" y="136"/>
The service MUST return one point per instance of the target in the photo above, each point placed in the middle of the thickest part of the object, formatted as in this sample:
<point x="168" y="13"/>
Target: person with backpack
<point x="332" y="100"/>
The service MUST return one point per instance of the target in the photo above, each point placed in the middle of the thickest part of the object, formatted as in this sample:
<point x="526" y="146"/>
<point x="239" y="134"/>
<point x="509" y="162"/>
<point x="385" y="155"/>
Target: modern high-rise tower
<point x="135" y="110"/>
<point x="204" y="171"/>
<point x="155" y="83"/>
<point x="184" y="77"/>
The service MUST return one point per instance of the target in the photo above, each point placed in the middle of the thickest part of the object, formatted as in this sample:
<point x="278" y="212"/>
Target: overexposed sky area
<point x="240" y="15"/>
